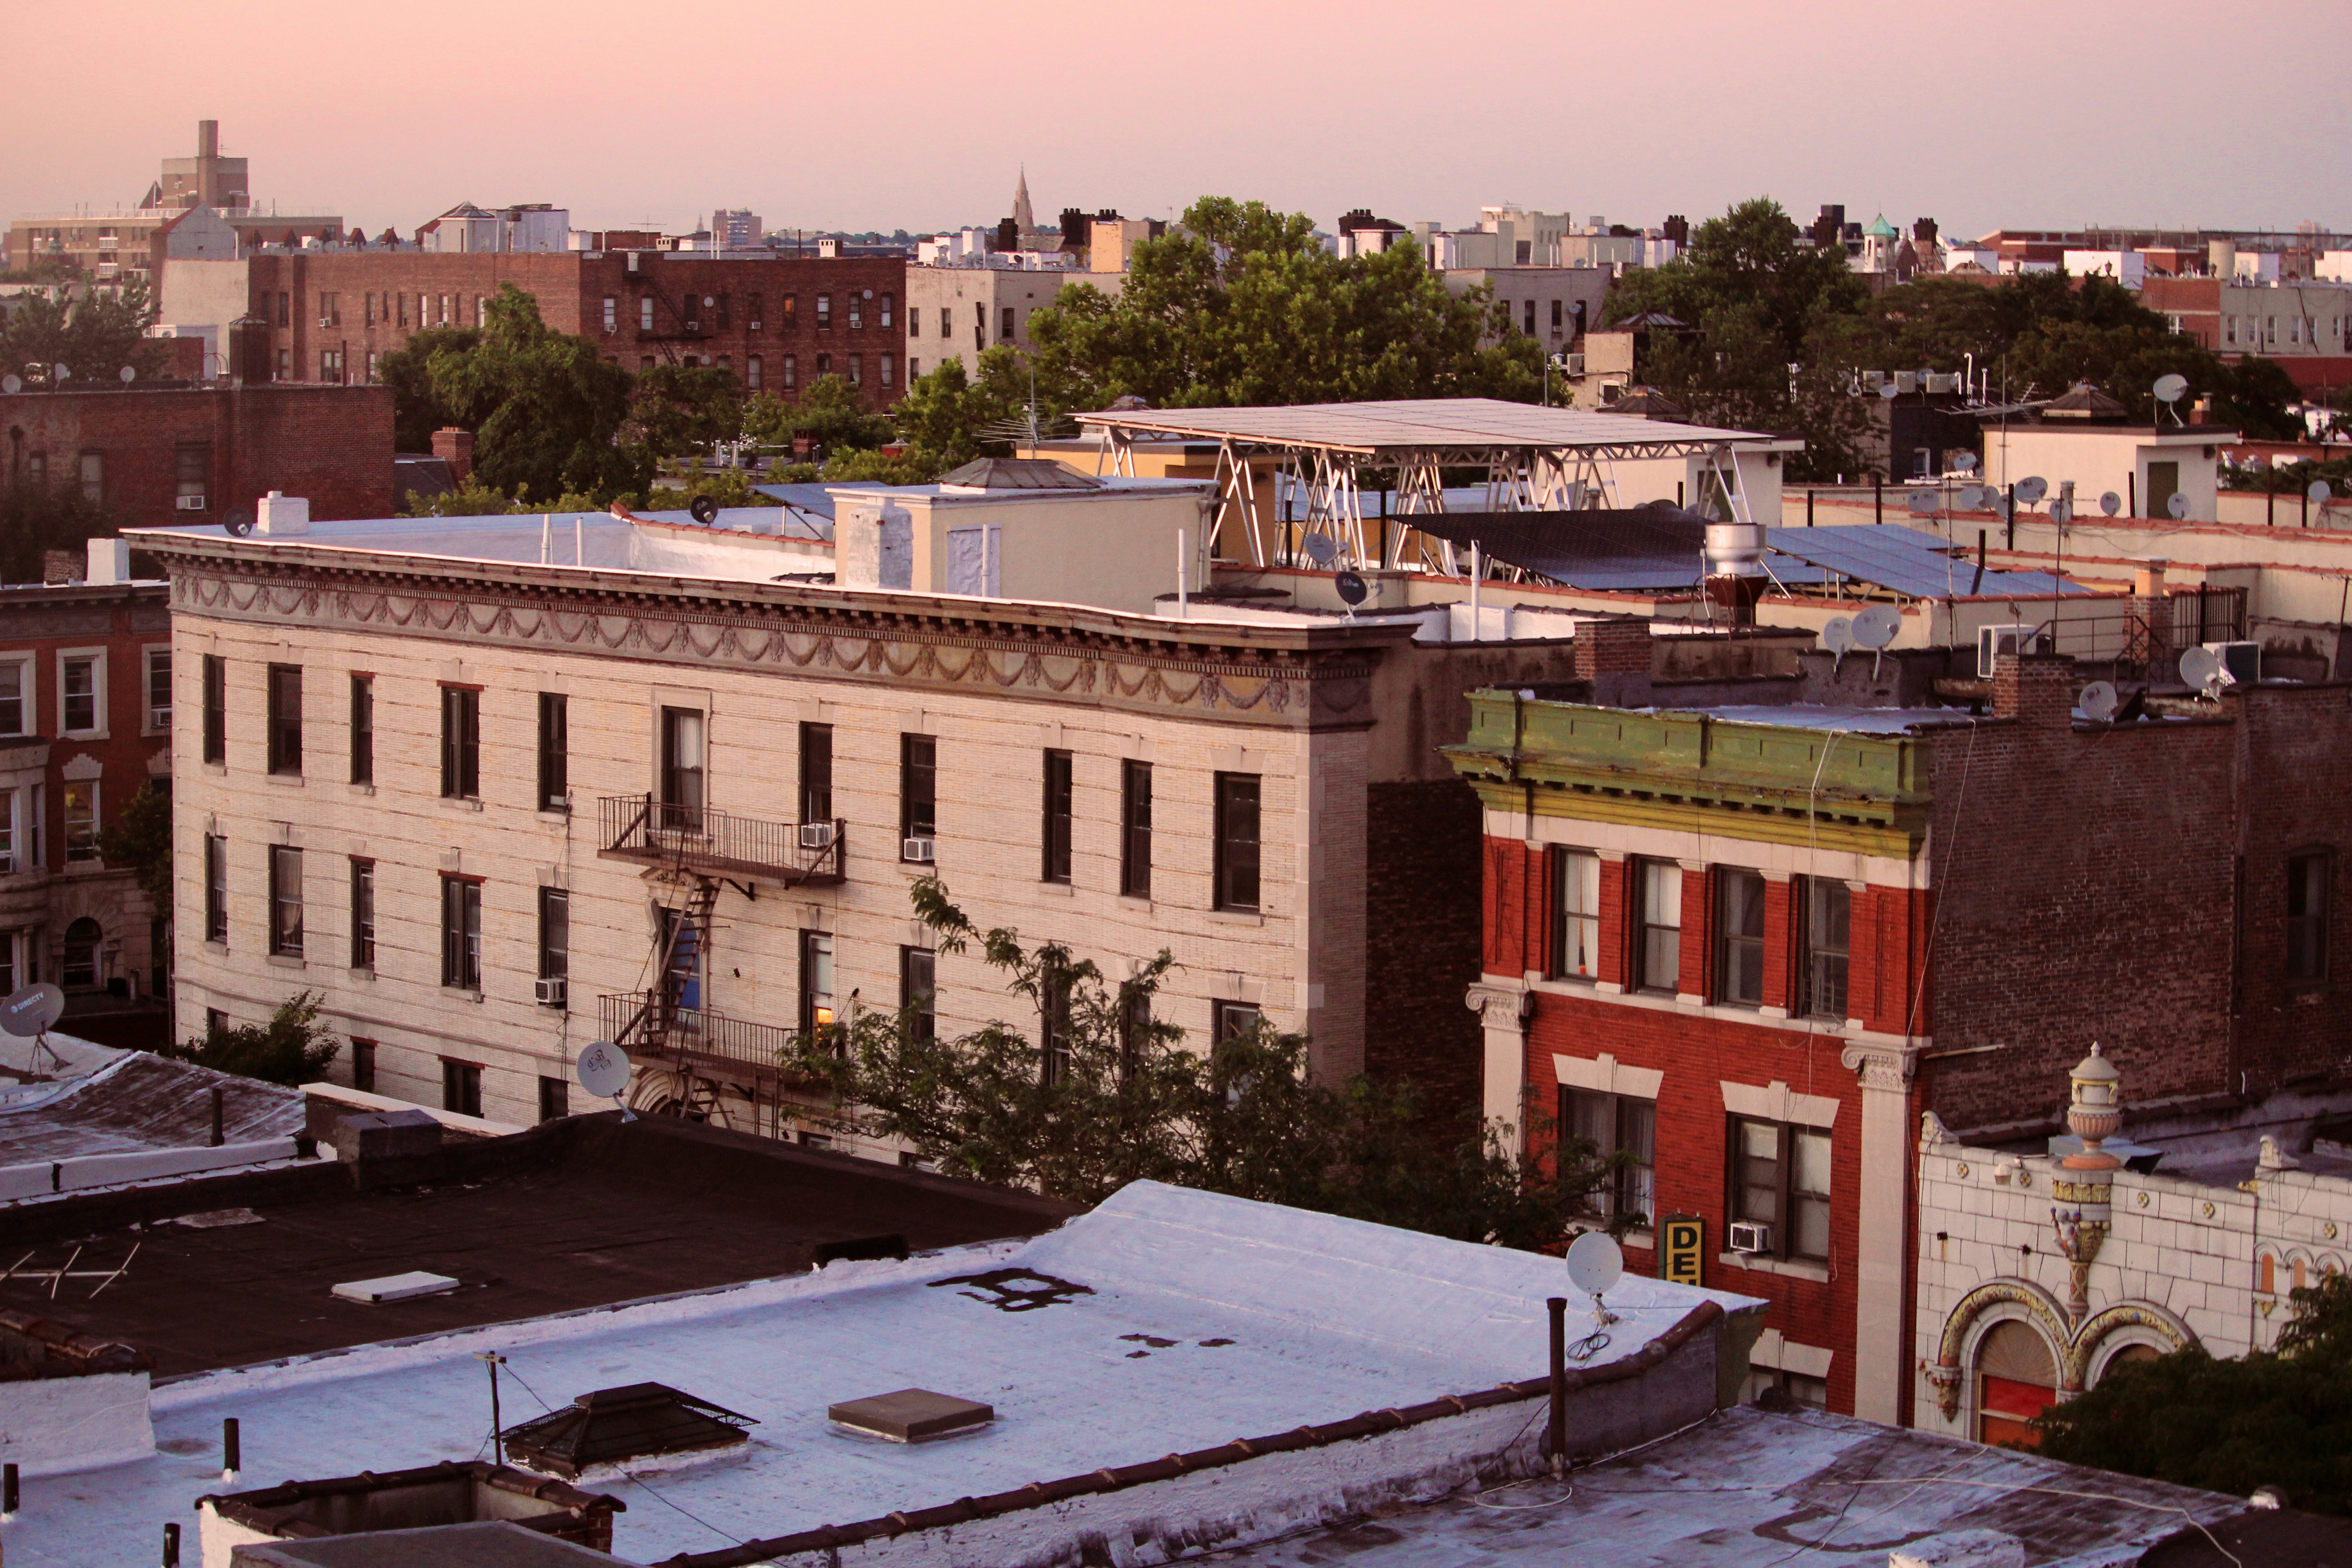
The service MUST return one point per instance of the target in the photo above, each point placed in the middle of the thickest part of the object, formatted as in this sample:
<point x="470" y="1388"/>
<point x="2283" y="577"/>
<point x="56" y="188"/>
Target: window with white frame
<point x="1622" y="1128"/>
<point x="81" y="692"/>
<point x="159" y="690"/>
<point x="16" y="708"/>
<point x="81" y="820"/>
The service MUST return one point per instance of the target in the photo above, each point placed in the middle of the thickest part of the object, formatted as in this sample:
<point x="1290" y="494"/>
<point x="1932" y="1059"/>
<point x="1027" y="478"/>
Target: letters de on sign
<point x="1682" y="1244"/>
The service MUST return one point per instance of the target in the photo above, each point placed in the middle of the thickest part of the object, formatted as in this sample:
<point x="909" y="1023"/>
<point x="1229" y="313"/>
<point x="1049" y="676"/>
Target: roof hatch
<point x="615" y="1425"/>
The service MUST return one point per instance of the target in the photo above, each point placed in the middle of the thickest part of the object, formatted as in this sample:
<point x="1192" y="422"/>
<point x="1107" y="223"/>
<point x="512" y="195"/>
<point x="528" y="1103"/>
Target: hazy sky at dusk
<point x="893" y="113"/>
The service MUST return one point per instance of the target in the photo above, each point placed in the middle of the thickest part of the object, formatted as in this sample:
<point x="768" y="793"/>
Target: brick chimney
<point x="455" y="448"/>
<point x="2037" y="689"/>
<point x="1613" y="654"/>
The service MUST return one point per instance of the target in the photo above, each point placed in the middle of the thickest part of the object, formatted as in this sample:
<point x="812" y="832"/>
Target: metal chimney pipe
<point x="1556" y="1437"/>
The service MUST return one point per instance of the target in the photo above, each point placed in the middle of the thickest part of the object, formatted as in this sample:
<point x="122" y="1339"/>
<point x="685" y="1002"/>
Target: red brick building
<point x="1750" y="946"/>
<point x="157" y="455"/>
<point x="778" y="324"/>
<point x="85" y="721"/>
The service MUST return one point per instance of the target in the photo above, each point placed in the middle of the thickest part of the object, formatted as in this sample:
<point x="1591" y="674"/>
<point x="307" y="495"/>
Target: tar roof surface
<point x="1415" y="424"/>
<point x="579" y="1214"/>
<point x="1752" y="1490"/>
<point x="1164" y="1320"/>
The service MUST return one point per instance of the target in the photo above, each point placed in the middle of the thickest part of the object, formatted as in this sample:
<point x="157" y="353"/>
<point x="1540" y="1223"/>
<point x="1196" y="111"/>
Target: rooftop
<point x="1163" y="1321"/>
<point x="1423" y="425"/>
<point x="134" y="1103"/>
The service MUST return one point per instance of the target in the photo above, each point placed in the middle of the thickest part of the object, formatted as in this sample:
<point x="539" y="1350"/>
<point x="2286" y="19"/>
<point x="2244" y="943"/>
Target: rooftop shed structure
<point x="1534" y="459"/>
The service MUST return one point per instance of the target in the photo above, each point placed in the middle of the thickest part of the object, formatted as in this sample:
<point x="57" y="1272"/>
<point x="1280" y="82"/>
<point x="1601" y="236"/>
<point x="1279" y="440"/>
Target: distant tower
<point x="1024" y="217"/>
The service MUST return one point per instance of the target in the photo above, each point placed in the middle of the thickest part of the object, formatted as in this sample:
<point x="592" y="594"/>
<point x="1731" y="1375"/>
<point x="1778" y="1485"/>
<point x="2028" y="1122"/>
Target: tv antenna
<point x="2169" y="390"/>
<point x="2098" y="701"/>
<point x="1877" y="628"/>
<point x="602" y="1070"/>
<point x="1838" y="638"/>
<point x="2201" y="669"/>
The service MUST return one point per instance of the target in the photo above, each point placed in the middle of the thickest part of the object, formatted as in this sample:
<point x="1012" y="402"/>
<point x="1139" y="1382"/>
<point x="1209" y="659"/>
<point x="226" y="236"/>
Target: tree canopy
<point x="36" y="519"/>
<point x="292" y="1047"/>
<point x="93" y="332"/>
<point x="2280" y="1417"/>
<point x="1124" y="1099"/>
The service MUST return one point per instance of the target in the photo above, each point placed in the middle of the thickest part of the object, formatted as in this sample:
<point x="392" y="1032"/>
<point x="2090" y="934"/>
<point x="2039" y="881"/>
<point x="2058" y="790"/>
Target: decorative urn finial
<point x="2095" y="1112"/>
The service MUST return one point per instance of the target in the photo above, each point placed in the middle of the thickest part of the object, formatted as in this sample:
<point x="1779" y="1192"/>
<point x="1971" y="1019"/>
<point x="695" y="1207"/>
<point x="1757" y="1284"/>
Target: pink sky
<point x="910" y="113"/>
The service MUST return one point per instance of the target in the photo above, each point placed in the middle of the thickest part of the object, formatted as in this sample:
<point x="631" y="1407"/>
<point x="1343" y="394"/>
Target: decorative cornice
<point x="1880" y="1065"/>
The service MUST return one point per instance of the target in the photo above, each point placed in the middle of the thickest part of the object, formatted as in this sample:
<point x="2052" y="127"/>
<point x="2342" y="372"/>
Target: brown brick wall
<point x="1420" y="954"/>
<point x="330" y="444"/>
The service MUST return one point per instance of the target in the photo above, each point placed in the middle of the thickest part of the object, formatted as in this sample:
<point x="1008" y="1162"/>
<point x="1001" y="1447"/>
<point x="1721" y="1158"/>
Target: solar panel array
<point x="1907" y="561"/>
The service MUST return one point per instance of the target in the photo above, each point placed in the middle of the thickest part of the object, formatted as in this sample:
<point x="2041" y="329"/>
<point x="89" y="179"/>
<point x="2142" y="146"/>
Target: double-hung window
<point x="461" y="743"/>
<point x="1828" y="936"/>
<point x="1135" y="829"/>
<point x="816" y="981"/>
<point x="15" y="694"/>
<point x="1576" y="915"/>
<point x="159" y="690"/>
<point x="461" y="1085"/>
<point x="286" y="718"/>
<point x="682" y="780"/>
<point x="1054" y="1029"/>
<point x="363" y="914"/>
<point x="554" y="752"/>
<point x="78" y="690"/>
<point x="81" y="819"/>
<point x="461" y="933"/>
<point x="554" y="943"/>
<point x="363" y="729"/>
<point x="2307" y="898"/>
<point x="1617" y="1125"/>
<point x="918" y="799"/>
<point x="1237" y="842"/>
<point x="215" y="709"/>
<point x="1740" y="936"/>
<point x="817" y="773"/>
<point x="1658" y="925"/>
<point x="215" y="887"/>
<point x="1780" y="1179"/>
<point x="1055" y="830"/>
<point x="917" y="992"/>
<point x="285" y="900"/>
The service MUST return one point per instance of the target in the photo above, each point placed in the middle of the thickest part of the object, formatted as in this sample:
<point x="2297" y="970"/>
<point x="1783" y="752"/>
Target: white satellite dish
<point x="2319" y="492"/>
<point x="2200" y="667"/>
<point x="2170" y="388"/>
<point x="1877" y="627"/>
<point x="126" y="375"/>
<point x="1972" y="498"/>
<point x="11" y="384"/>
<point x="1923" y="503"/>
<point x="1886" y="390"/>
<point x="2031" y="488"/>
<point x="2178" y="506"/>
<point x="29" y="1012"/>
<point x="1594" y="1263"/>
<point x="2111" y="503"/>
<point x="2098" y="701"/>
<point x="602" y="1069"/>
<point x="1321" y="549"/>
<point x="1965" y="462"/>
<point x="1838" y="636"/>
<point x="60" y="372"/>
<point x="2062" y="510"/>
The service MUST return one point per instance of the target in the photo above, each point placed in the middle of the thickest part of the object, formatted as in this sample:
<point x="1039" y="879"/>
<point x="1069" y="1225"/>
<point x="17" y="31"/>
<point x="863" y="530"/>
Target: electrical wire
<point x="632" y="1480"/>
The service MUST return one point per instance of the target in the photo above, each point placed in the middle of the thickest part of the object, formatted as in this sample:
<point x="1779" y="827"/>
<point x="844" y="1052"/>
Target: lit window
<point x="81" y="819"/>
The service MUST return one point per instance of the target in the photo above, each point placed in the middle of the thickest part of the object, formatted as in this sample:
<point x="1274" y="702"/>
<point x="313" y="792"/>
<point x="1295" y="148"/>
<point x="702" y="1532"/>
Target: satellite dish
<point x="2098" y="701"/>
<point x="60" y="372"/>
<point x="1886" y="390"/>
<point x="1321" y="549"/>
<point x="2031" y="488"/>
<point x="1877" y="627"/>
<point x="29" y="1012"/>
<point x="2178" y="506"/>
<point x="2062" y="510"/>
<point x="1594" y="1263"/>
<point x="2111" y="503"/>
<point x="2319" y="492"/>
<point x="2169" y="388"/>
<point x="1923" y="503"/>
<point x="702" y="508"/>
<point x="602" y="1069"/>
<point x="2256" y="460"/>
<point x="1353" y="590"/>
<point x="11" y="384"/>
<point x="1838" y="636"/>
<point x="1965" y="462"/>
<point x="239" y="526"/>
<point x="2200" y="667"/>
<point x="1972" y="498"/>
<point x="126" y="375"/>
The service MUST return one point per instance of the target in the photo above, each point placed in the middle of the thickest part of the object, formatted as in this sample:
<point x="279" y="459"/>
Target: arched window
<point x="2017" y="1379"/>
<point x="82" y="937"/>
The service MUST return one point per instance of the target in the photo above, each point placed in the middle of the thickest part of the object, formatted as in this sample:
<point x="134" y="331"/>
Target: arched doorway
<point x="80" y="969"/>
<point x="2017" y="1379"/>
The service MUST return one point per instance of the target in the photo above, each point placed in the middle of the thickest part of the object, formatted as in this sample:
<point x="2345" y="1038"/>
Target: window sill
<point x="462" y="802"/>
<point x="90" y="867"/>
<point x="284" y="960"/>
<point x="361" y="789"/>
<point x="463" y="993"/>
<point x="1129" y="901"/>
<point x="1791" y="1268"/>
<point x="1237" y="917"/>
<point x="284" y="781"/>
<point x="554" y="813"/>
<point x="362" y="974"/>
<point x="1058" y="889"/>
<point x="85" y="735"/>
<point x="217" y="770"/>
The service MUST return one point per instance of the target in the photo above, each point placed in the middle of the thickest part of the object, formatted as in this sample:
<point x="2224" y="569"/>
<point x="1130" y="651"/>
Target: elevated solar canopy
<point x="1907" y="561"/>
<point x="1643" y="549"/>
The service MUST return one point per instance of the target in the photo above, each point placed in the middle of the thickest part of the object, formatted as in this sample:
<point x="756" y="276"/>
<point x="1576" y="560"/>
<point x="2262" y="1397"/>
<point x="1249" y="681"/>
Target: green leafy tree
<point x="292" y="1048"/>
<point x="474" y="499"/>
<point x="2280" y="1417"/>
<point x="140" y="839"/>
<point x="1125" y="1100"/>
<point x="676" y="409"/>
<point x="93" y="332"/>
<point x="946" y="414"/>
<point x="545" y="410"/>
<point x="830" y="413"/>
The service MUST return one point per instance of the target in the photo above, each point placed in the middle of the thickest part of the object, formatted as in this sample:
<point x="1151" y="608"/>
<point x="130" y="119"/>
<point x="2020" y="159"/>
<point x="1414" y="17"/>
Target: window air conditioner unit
<point x="1992" y="642"/>
<point x="1750" y="1236"/>
<point x="920" y="850"/>
<point x="552" y="993"/>
<point x="190" y="503"/>
<point x="817" y="836"/>
<point x="2242" y="662"/>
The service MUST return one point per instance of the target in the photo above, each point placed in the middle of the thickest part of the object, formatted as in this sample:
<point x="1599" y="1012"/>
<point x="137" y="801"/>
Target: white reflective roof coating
<point x="1414" y="425"/>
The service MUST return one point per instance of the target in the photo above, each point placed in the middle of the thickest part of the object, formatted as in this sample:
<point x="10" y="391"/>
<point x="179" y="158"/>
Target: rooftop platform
<point x="1425" y="424"/>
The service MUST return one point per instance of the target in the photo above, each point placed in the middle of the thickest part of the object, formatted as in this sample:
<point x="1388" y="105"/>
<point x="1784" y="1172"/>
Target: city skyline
<point x="1750" y="107"/>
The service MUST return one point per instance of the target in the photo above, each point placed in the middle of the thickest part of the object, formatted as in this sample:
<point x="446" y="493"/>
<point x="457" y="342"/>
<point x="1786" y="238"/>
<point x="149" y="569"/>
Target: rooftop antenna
<point x="2098" y="701"/>
<point x="1877" y="628"/>
<point x="2169" y="390"/>
<point x="603" y="1071"/>
<point x="1838" y="638"/>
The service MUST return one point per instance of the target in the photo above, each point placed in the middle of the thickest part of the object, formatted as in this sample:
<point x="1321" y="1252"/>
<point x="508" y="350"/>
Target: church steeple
<point x="1024" y="217"/>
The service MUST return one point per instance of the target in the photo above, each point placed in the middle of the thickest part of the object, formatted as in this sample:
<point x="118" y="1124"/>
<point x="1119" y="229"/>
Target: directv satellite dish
<point x="1353" y="590"/>
<point x="602" y="1069"/>
<point x="11" y="384"/>
<point x="239" y="526"/>
<point x="2098" y="701"/>
<point x="60" y="372"/>
<point x="1877" y="627"/>
<point x="2178" y="506"/>
<point x="2319" y="492"/>
<point x="702" y="508"/>
<point x="2062" y="510"/>
<point x="2169" y="388"/>
<point x="2200" y="667"/>
<point x="1838" y="638"/>
<point x="127" y="375"/>
<point x="1321" y="549"/>
<point x="1923" y="503"/>
<point x="1965" y="462"/>
<point x="2111" y="503"/>
<point x="29" y="1012"/>
<point x="1886" y="390"/>
<point x="1972" y="498"/>
<point x="2031" y="488"/>
<point x="1594" y="1263"/>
